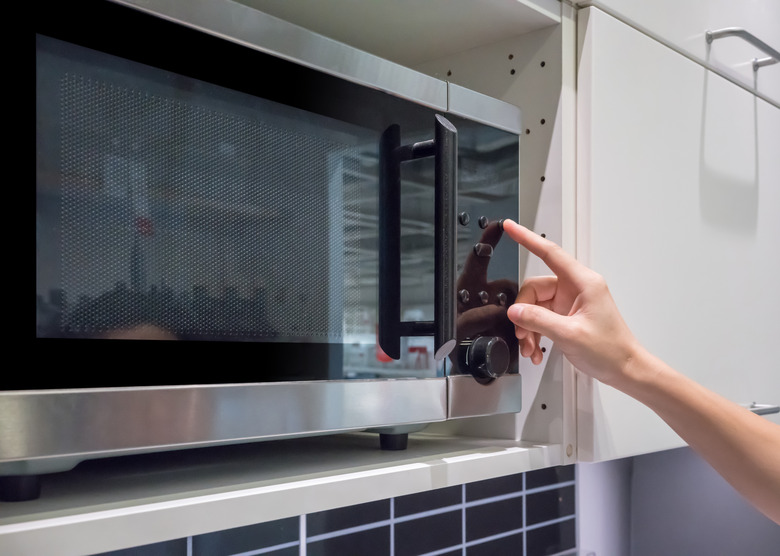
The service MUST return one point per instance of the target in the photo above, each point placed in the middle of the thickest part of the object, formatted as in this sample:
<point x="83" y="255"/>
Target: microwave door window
<point x="173" y="209"/>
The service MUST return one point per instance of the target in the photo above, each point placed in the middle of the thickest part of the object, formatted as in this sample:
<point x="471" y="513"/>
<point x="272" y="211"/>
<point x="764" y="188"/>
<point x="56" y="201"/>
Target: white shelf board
<point x="410" y="32"/>
<point x="118" y="503"/>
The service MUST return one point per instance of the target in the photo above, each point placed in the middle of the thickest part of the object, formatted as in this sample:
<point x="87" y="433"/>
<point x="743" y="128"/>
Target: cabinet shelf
<point x="128" y="501"/>
<point x="402" y="32"/>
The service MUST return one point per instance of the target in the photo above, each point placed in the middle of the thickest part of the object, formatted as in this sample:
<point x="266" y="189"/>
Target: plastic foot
<point x="393" y="441"/>
<point x="19" y="488"/>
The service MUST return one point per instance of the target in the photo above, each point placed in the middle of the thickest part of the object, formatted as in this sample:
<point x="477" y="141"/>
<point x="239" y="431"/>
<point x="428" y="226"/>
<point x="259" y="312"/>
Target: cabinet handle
<point x="774" y="55"/>
<point x="763" y="409"/>
<point x="444" y="149"/>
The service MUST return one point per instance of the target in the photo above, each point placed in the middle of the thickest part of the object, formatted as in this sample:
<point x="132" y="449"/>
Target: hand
<point x="574" y="309"/>
<point x="478" y="318"/>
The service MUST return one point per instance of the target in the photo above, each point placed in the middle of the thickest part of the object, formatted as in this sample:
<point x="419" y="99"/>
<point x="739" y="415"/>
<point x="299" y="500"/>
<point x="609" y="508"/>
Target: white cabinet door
<point x="678" y="194"/>
<point x="683" y="24"/>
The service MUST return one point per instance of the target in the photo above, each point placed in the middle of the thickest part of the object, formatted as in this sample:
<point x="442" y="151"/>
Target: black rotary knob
<point x="485" y="357"/>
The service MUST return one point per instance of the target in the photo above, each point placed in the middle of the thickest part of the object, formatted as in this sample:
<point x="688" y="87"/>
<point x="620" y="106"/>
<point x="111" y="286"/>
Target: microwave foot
<point x="396" y="437"/>
<point x="19" y="488"/>
<point x="393" y="441"/>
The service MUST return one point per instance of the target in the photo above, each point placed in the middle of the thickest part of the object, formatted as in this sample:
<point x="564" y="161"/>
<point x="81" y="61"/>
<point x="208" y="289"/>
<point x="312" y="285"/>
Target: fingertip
<point x="515" y="311"/>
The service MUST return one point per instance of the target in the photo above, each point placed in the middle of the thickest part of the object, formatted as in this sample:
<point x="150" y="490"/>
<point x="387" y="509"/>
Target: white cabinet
<point x="682" y="25"/>
<point x="678" y="194"/>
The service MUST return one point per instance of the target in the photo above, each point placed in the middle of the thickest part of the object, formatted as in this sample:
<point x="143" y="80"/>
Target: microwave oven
<point x="248" y="231"/>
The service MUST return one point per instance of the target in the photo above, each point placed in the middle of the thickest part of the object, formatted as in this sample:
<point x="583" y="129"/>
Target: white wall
<point x="670" y="502"/>
<point x="603" y="507"/>
<point x="679" y="505"/>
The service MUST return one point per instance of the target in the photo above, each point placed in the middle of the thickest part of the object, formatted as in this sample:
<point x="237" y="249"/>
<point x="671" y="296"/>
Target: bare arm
<point x="575" y="309"/>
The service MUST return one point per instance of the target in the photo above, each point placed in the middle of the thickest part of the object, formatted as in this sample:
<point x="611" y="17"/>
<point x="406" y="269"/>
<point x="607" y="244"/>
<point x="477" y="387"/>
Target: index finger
<point x="558" y="260"/>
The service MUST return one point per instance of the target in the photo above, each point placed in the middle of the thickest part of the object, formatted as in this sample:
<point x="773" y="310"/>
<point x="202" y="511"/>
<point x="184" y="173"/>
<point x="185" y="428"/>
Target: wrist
<point x="633" y="368"/>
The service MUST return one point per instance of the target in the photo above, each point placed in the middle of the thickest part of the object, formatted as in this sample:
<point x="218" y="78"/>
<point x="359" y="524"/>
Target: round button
<point x="483" y="222"/>
<point x="464" y="218"/>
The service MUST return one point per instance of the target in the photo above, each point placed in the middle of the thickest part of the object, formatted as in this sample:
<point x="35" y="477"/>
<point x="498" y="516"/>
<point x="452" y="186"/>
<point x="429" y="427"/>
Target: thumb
<point x="535" y="318"/>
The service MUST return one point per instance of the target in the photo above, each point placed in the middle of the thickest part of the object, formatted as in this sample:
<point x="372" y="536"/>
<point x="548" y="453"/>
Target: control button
<point x="501" y="299"/>
<point x="483" y="250"/>
<point x="464" y="296"/>
<point x="464" y="218"/>
<point x="483" y="222"/>
<point x="485" y="357"/>
<point x="484" y="297"/>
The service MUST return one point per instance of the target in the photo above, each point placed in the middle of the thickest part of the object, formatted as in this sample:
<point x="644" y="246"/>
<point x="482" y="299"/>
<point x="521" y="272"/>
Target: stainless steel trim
<point x="484" y="109"/>
<point x="260" y="31"/>
<point x="748" y="37"/>
<point x="87" y="423"/>
<point x="468" y="398"/>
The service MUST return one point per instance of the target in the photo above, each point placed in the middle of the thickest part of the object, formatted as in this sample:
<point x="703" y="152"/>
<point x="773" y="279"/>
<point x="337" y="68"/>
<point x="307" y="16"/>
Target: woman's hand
<point x="574" y="309"/>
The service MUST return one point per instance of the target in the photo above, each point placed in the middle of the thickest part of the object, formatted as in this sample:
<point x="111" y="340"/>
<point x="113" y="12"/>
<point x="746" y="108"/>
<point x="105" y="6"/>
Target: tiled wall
<point x="526" y="514"/>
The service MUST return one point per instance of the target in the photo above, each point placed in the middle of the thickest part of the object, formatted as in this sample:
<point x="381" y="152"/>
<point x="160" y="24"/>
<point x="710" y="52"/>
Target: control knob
<point x="485" y="357"/>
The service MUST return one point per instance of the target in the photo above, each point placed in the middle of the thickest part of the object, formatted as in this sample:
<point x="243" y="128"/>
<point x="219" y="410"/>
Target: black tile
<point x="505" y="546"/>
<point x="549" y="476"/>
<point x="494" y="487"/>
<point x="551" y="539"/>
<point x="549" y="504"/>
<point x="493" y="518"/>
<point x="244" y="539"/>
<point x="176" y="547"/>
<point x="289" y="551"/>
<point x="427" y="534"/>
<point x="430" y="500"/>
<point x="351" y="516"/>
<point x="373" y="542"/>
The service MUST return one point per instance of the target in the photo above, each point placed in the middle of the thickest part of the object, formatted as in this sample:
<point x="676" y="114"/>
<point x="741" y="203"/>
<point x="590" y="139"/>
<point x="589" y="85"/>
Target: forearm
<point x="743" y="447"/>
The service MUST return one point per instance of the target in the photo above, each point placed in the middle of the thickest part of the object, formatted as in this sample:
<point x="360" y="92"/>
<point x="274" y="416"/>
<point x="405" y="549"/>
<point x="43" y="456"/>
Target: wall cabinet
<point x="682" y="25"/>
<point x="677" y="200"/>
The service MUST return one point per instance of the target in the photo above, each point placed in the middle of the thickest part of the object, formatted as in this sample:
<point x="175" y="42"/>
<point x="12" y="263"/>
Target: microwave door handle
<point x="444" y="148"/>
<point x="389" y="281"/>
<point x="446" y="245"/>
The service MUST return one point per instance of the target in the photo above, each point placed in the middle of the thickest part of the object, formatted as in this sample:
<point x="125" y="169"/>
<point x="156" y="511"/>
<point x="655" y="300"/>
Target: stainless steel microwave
<point x="248" y="231"/>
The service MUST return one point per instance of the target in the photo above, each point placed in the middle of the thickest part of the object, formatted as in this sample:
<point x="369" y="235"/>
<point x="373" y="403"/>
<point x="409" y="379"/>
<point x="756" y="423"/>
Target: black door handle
<point x="444" y="148"/>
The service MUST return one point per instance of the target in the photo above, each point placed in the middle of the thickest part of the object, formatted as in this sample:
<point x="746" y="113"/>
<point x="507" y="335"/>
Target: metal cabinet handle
<point x="444" y="149"/>
<point x="763" y="409"/>
<point x="774" y="55"/>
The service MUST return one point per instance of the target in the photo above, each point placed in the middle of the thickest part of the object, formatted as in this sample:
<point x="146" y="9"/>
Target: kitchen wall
<point x="523" y="514"/>
<point x="667" y="502"/>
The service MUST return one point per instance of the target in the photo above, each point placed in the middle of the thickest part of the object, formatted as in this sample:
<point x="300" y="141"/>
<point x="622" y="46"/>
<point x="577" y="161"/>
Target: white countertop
<point x="117" y="503"/>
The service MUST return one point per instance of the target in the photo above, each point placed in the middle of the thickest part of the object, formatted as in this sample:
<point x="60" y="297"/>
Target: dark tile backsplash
<point x="345" y="518"/>
<point x="370" y="542"/>
<point x="526" y="514"/>
<point x="429" y="534"/>
<point x="494" y="518"/>
<point x="244" y="539"/>
<point x="429" y="500"/>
